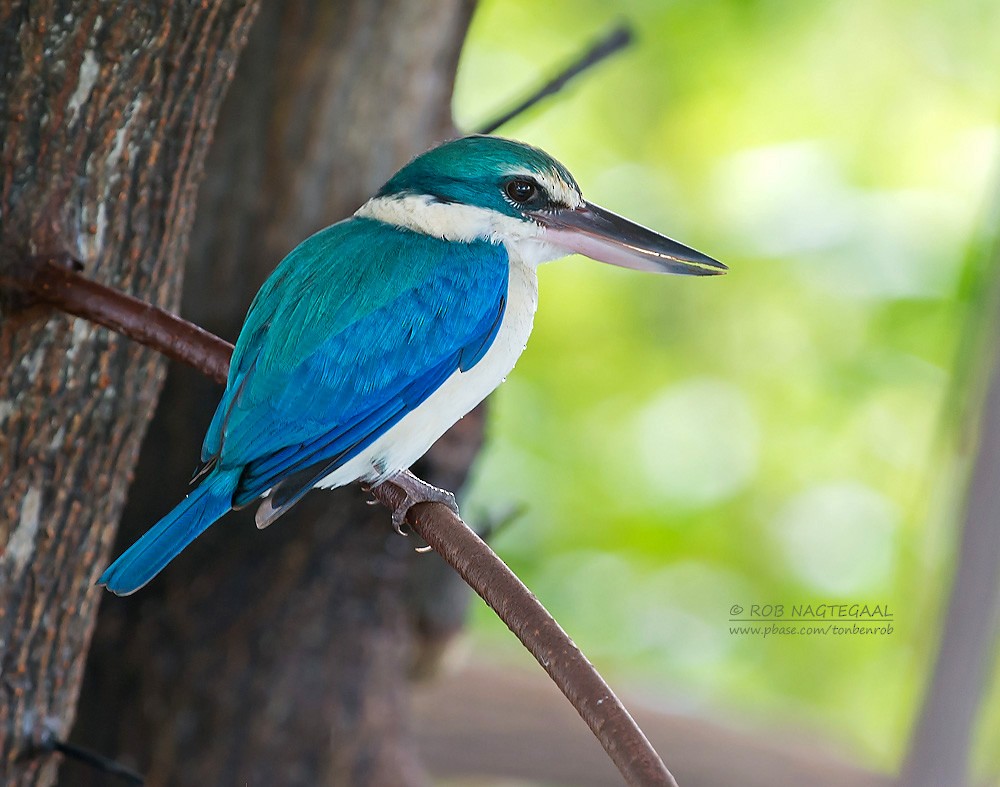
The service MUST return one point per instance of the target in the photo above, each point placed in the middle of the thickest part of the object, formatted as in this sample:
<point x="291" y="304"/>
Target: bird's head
<point x="495" y="189"/>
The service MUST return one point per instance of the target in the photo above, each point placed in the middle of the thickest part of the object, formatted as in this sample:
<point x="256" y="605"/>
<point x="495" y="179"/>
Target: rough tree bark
<point x="281" y="657"/>
<point x="106" y="111"/>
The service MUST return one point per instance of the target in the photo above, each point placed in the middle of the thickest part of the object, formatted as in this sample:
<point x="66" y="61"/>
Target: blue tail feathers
<point x="167" y="538"/>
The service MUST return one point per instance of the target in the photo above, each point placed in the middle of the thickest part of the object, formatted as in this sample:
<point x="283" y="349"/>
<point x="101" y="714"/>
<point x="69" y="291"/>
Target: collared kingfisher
<point x="375" y="335"/>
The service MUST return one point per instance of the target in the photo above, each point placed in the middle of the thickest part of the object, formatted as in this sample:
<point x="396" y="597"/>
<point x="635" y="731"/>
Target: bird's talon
<point x="417" y="491"/>
<point x="399" y="522"/>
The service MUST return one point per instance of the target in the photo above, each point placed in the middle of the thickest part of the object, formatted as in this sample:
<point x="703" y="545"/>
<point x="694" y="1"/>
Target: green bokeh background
<point x="797" y="431"/>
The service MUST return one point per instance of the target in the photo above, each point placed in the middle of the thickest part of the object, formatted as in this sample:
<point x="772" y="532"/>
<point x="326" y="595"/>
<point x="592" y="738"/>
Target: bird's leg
<point x="417" y="491"/>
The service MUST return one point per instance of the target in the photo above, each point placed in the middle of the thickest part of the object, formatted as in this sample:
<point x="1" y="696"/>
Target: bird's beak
<point x="605" y="236"/>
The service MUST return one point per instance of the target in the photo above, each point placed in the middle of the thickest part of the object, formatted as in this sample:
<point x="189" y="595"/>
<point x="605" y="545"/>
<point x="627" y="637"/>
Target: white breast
<point x="410" y="438"/>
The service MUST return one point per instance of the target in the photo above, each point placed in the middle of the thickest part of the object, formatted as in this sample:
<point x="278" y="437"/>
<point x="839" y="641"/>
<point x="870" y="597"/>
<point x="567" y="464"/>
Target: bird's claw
<point x="417" y="491"/>
<point x="399" y="520"/>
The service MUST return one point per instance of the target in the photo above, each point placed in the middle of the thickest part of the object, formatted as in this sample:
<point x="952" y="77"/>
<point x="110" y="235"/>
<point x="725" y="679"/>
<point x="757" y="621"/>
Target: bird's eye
<point x="521" y="191"/>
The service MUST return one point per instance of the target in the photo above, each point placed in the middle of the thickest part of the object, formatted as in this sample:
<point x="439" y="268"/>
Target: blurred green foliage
<point x="789" y="433"/>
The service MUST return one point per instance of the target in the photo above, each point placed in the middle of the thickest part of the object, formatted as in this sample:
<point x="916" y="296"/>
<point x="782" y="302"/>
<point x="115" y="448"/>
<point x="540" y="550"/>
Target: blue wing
<point x="353" y="330"/>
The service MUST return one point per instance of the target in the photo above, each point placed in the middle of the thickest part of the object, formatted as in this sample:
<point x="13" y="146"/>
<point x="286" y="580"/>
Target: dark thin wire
<point x="619" y="38"/>
<point x="96" y="761"/>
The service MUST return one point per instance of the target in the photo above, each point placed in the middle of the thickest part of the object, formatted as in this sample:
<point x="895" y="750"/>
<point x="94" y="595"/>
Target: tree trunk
<point x="281" y="657"/>
<point x="105" y="115"/>
<point x="942" y="740"/>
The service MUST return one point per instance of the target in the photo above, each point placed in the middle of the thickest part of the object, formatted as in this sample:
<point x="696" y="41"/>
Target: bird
<point x="372" y="337"/>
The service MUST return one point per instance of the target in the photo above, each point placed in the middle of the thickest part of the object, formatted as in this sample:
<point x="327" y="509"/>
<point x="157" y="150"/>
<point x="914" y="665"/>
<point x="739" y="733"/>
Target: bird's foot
<point x="417" y="491"/>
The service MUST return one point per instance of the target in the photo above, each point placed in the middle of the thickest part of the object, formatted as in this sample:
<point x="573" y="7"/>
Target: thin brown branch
<point x="479" y="566"/>
<point x="617" y="39"/>
<point x="53" y="279"/>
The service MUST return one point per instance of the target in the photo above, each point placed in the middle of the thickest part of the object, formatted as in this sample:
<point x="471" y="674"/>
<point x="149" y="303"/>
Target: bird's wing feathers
<point x="371" y="320"/>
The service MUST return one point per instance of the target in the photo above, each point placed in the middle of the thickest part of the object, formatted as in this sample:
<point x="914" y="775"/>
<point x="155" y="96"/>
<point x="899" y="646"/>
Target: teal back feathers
<point x="355" y="328"/>
<point x="379" y="318"/>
